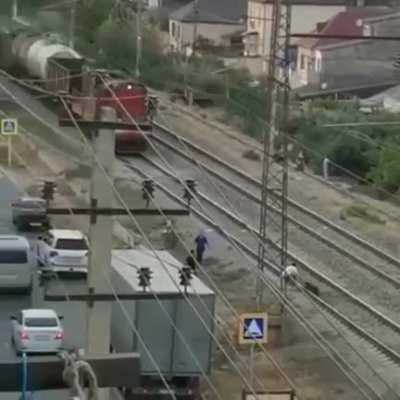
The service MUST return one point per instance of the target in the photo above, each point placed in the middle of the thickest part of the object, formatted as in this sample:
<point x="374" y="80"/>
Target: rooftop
<point x="39" y="313"/>
<point x="165" y="278"/>
<point x="67" y="233"/>
<point x="346" y="23"/>
<point x="8" y="240"/>
<point x="212" y="11"/>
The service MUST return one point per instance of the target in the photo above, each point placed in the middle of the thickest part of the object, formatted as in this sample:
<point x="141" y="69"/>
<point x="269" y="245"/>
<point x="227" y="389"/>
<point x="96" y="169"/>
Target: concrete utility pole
<point x="138" y="38"/>
<point x="195" y="28"/>
<point x="100" y="235"/>
<point x="72" y="23"/>
<point x="275" y="160"/>
<point x="14" y="10"/>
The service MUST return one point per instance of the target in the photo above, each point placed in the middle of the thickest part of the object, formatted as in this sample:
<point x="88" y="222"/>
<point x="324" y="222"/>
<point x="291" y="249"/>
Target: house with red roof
<point x="322" y="61"/>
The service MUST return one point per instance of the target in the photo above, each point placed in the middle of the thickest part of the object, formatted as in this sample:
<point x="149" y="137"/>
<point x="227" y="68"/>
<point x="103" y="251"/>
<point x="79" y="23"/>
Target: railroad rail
<point x="379" y="345"/>
<point x="365" y="245"/>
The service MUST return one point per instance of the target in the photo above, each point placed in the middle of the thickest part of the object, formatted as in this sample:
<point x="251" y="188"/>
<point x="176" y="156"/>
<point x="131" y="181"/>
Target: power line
<point x="143" y="234"/>
<point x="132" y="119"/>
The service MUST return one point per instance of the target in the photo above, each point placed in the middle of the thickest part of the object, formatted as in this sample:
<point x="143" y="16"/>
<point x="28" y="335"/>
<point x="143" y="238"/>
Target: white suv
<point x="63" y="250"/>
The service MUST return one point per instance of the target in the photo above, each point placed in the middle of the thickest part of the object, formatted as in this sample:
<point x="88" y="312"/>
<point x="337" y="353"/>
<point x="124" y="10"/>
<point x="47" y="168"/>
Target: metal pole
<point x="251" y="365"/>
<point x="100" y="234"/>
<point x="14" y="10"/>
<point x="195" y="28"/>
<point x="138" y="38"/>
<point x="72" y="22"/>
<point x="24" y="375"/>
<point x="275" y="157"/>
<point x="9" y="151"/>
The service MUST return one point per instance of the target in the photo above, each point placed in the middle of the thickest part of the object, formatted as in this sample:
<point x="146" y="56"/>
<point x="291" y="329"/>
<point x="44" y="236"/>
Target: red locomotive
<point x="62" y="71"/>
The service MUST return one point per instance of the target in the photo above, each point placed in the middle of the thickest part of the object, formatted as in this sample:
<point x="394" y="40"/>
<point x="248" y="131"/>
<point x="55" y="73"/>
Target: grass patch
<point x="362" y="212"/>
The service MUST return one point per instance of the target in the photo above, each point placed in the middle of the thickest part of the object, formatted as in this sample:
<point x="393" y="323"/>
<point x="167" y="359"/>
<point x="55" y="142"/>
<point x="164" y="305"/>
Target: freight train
<point x="62" y="71"/>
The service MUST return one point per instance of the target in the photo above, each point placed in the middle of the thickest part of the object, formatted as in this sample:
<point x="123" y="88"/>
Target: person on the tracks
<point x="190" y="261"/>
<point x="201" y="243"/>
<point x="289" y="275"/>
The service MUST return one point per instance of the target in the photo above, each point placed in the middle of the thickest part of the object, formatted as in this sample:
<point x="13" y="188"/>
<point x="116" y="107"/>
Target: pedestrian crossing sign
<point x="9" y="126"/>
<point x="253" y="328"/>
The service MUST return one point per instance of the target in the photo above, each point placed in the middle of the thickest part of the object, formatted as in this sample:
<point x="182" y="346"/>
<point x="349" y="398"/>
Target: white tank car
<point x="33" y="52"/>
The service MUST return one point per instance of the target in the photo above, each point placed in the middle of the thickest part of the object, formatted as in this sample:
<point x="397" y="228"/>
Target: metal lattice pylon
<point x="275" y="159"/>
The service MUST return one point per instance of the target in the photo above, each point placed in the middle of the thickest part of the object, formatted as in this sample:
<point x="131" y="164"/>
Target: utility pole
<point x="138" y="37"/>
<point x="195" y="28"/>
<point x="14" y="10"/>
<point x="100" y="236"/>
<point x="72" y="23"/>
<point x="275" y="158"/>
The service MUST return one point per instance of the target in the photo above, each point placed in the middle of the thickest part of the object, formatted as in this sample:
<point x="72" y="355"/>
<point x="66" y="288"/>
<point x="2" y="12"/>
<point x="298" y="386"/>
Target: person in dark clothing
<point x="190" y="261"/>
<point x="201" y="243"/>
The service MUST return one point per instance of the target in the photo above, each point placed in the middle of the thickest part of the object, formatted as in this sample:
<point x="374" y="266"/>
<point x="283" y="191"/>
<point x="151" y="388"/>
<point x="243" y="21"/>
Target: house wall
<point x="304" y="19"/>
<point x="181" y="33"/>
<point x="370" y="59"/>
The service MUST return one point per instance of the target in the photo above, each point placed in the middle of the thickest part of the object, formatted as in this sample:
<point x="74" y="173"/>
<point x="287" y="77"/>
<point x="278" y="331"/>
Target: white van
<point x="15" y="263"/>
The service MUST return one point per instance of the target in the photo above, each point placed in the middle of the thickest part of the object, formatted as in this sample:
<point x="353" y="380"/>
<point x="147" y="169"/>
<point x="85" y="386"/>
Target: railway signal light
<point x="189" y="190"/>
<point x="148" y="190"/>
<point x="48" y="190"/>
<point x="144" y="275"/>
<point x="185" y="276"/>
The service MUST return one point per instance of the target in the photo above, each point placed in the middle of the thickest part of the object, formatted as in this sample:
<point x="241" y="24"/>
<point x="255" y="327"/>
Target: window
<point x="13" y="257"/>
<point x="252" y="24"/>
<point x="30" y="204"/>
<point x="178" y="31"/>
<point x="40" y="322"/>
<point x="302" y="61"/>
<point x="173" y="29"/>
<point x="71" y="244"/>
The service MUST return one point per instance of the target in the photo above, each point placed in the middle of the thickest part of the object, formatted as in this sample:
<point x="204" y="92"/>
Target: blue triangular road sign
<point x="254" y="328"/>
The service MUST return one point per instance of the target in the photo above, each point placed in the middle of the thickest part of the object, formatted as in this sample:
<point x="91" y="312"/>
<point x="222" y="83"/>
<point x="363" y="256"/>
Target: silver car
<point x="37" y="331"/>
<point x="29" y="211"/>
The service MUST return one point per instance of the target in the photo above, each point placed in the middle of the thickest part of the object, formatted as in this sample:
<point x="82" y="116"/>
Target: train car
<point x="152" y="318"/>
<point x="131" y="103"/>
<point x="45" y="58"/>
<point x="61" y="70"/>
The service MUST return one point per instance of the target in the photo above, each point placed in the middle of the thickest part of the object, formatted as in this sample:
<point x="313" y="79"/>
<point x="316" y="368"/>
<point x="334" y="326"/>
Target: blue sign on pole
<point x="253" y="328"/>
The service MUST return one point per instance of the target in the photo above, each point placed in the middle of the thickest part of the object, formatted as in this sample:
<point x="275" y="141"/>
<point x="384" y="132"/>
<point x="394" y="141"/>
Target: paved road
<point x="74" y="313"/>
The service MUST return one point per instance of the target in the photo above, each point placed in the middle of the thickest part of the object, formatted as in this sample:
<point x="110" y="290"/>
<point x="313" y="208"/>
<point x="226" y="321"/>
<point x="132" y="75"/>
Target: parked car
<point x="29" y="211"/>
<point x="63" y="250"/>
<point x="37" y="331"/>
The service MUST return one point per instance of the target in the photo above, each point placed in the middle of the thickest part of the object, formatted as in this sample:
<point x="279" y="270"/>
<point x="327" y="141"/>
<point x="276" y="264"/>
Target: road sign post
<point x="9" y="128"/>
<point x="253" y="329"/>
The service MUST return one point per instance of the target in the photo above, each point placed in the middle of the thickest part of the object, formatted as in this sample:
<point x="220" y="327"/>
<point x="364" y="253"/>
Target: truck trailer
<point x="153" y="330"/>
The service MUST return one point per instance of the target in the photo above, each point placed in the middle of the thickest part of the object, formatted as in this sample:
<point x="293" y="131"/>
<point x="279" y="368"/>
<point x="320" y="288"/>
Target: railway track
<point x="210" y="160"/>
<point x="348" y="322"/>
<point x="300" y="216"/>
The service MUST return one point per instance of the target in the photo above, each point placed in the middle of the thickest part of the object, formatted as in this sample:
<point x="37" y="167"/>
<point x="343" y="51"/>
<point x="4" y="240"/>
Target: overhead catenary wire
<point x="345" y="170"/>
<point x="224" y="196"/>
<point x="226" y="336"/>
<point x="148" y="242"/>
<point x="133" y="121"/>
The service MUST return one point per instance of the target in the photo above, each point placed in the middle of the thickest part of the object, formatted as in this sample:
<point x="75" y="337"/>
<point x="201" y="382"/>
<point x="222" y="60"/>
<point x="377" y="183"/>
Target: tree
<point x="387" y="171"/>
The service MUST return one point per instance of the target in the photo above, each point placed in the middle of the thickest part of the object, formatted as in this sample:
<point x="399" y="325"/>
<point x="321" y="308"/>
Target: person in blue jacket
<point x="201" y="243"/>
